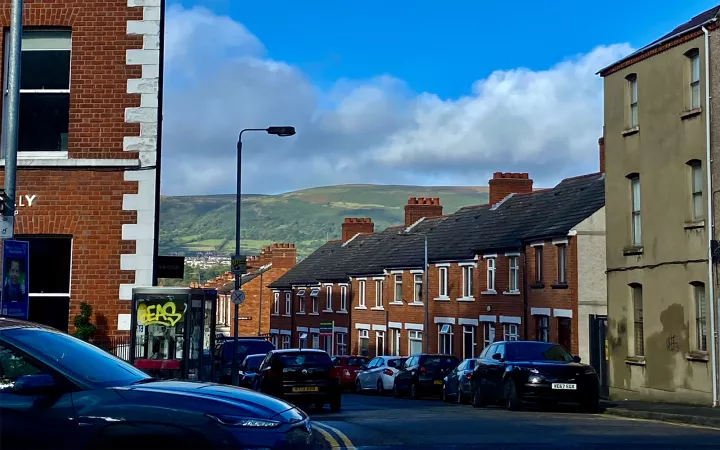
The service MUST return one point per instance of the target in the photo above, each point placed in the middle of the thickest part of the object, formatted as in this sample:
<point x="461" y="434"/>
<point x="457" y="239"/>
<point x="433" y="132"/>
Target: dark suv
<point x="423" y="374"/>
<point x="301" y="377"/>
<point x="224" y="354"/>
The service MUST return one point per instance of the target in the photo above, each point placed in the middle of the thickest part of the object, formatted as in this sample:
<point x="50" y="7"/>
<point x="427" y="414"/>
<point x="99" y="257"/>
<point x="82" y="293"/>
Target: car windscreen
<point x="536" y="351"/>
<point x="442" y="362"/>
<point x="74" y="358"/>
<point x="470" y="364"/>
<point x="252" y="364"/>
<point x="245" y="348"/>
<point x="396" y="363"/>
<point x="356" y="362"/>
<point x="297" y="360"/>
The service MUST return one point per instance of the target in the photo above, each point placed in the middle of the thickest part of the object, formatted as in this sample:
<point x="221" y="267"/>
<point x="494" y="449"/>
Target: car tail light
<point x="468" y="375"/>
<point x="423" y="370"/>
<point x="387" y="372"/>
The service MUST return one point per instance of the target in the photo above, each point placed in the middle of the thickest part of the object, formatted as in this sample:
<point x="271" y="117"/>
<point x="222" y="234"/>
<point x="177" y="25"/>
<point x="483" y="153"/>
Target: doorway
<point x="599" y="351"/>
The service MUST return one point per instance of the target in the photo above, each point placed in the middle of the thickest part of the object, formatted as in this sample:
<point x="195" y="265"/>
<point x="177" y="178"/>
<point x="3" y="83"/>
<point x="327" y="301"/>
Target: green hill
<point x="191" y="224"/>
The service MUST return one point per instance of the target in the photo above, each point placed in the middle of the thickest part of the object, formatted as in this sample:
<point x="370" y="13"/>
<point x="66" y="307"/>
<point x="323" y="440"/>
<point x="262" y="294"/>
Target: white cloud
<point x="219" y="80"/>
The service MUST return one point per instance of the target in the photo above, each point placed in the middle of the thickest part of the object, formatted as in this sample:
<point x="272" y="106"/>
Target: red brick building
<point x="88" y="154"/>
<point x="505" y="270"/>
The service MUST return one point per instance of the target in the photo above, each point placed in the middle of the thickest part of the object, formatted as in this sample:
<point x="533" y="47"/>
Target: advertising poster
<point x="15" y="279"/>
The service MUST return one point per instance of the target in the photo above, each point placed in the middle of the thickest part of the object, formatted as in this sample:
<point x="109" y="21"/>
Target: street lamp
<point x="277" y="131"/>
<point x="426" y="282"/>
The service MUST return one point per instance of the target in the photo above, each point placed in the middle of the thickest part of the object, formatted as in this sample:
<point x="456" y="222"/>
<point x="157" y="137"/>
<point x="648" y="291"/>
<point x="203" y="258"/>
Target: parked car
<point x="515" y="372"/>
<point x="303" y="376"/>
<point x="378" y="374"/>
<point x="224" y="355"/>
<point x="82" y="397"/>
<point x="423" y="374"/>
<point x="249" y="369"/>
<point x="347" y="368"/>
<point x="457" y="383"/>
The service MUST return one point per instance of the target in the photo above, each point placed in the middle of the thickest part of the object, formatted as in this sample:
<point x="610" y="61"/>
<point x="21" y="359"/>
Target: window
<point x="276" y="304"/>
<point x="490" y="274"/>
<point x="443" y="282"/>
<point x="562" y="264"/>
<point x="274" y="340"/>
<point x="288" y="303"/>
<point x="468" y="341"/>
<point x="418" y="282"/>
<point x="542" y="332"/>
<point x="488" y="333"/>
<point x="49" y="288"/>
<point x="364" y="342"/>
<point x="510" y="331"/>
<point x="379" y="343"/>
<point x="328" y="298"/>
<point x="539" y="264"/>
<point x="361" y="293"/>
<point x="637" y="302"/>
<point x="467" y="290"/>
<point x="13" y="366"/>
<point x="328" y="347"/>
<point x="700" y="317"/>
<point x="302" y="340"/>
<point x="315" y="300"/>
<point x="636" y="222"/>
<point x="633" y="88"/>
<point x="398" y="288"/>
<point x="44" y="90"/>
<point x="379" y="293"/>
<point x="343" y="298"/>
<point x="315" y="340"/>
<point x="694" y="80"/>
<point x="286" y="341"/>
<point x="445" y="338"/>
<point x="395" y="336"/>
<point x="302" y="304"/>
<point x="415" y="338"/>
<point x="565" y="332"/>
<point x="696" y="187"/>
<point x="514" y="274"/>
<point x="341" y="343"/>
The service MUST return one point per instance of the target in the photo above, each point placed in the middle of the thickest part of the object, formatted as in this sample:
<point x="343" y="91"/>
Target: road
<point x="374" y="422"/>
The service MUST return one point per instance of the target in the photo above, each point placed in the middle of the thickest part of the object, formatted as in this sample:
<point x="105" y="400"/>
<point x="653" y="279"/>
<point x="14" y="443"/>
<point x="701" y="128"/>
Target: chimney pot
<point x="354" y="225"/>
<point x="419" y="207"/>
<point x="503" y="184"/>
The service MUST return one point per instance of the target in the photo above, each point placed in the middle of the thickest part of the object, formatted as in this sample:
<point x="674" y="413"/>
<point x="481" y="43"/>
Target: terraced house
<point x="530" y="264"/>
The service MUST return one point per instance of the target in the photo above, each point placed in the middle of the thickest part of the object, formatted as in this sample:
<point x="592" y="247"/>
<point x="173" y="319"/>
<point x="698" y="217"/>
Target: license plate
<point x="564" y="386"/>
<point x="438" y="382"/>
<point x="305" y="389"/>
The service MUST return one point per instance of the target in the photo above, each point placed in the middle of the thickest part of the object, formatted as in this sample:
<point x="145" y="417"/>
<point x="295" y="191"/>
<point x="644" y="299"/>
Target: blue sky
<point x="336" y="51"/>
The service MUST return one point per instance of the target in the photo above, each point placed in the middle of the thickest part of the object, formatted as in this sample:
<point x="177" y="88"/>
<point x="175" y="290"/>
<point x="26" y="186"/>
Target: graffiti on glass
<point x="159" y="314"/>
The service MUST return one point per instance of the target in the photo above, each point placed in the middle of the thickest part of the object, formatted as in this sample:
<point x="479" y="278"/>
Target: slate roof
<point x="696" y="22"/>
<point x="460" y="236"/>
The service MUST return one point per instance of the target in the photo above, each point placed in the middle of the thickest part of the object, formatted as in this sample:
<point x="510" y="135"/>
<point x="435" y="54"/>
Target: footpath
<point x="688" y="414"/>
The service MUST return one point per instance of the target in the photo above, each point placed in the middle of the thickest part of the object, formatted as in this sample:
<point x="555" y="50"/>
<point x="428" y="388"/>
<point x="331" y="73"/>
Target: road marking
<point x="328" y="437"/>
<point x="346" y="440"/>
<point x="663" y="422"/>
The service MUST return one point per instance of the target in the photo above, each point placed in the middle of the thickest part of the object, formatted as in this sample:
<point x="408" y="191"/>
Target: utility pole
<point x="12" y="116"/>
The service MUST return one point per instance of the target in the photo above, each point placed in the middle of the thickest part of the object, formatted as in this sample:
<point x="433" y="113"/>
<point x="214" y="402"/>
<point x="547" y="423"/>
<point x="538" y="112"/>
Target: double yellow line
<point x="327" y="432"/>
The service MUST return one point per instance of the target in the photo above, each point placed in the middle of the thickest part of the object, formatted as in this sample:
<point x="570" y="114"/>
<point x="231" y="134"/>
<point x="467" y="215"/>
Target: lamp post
<point x="426" y="282"/>
<point x="277" y="131"/>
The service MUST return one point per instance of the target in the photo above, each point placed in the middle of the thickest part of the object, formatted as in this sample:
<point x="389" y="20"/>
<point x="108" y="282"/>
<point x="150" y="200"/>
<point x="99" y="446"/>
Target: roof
<point x="460" y="236"/>
<point x="246" y="278"/>
<point x="693" y="24"/>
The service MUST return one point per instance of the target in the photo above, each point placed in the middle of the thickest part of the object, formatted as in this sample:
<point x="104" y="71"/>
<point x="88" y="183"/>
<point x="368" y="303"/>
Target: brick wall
<point x="503" y="184"/>
<point x="354" y="225"/>
<point x="419" y="207"/>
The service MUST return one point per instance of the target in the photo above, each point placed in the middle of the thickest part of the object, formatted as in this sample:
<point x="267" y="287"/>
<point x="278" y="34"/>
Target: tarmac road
<point x="374" y="422"/>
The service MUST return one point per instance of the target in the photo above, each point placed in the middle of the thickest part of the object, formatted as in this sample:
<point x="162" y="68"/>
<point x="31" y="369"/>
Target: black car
<point x="527" y="371"/>
<point x="303" y="376"/>
<point x="423" y="374"/>
<point x="59" y="392"/>
<point x="249" y="369"/>
<point x="457" y="383"/>
<point x="224" y="354"/>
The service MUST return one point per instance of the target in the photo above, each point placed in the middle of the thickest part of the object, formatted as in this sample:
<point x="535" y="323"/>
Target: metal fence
<point x="116" y="345"/>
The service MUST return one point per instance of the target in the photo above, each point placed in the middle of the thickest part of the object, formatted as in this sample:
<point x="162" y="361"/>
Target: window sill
<point x="511" y="293"/>
<point x="287" y="315"/>
<point x="635" y="360"/>
<point x="694" y="224"/>
<point x="314" y="314"/>
<point x="559" y="286"/>
<point x="377" y="308"/>
<point x="538" y="285"/>
<point x="274" y="314"/>
<point x="690" y="114"/>
<point x="327" y="311"/>
<point x="698" y="356"/>
<point x="442" y="299"/>
<point x="342" y="311"/>
<point x="633" y="250"/>
<point x="400" y="303"/>
<point x="489" y="292"/>
<point x="300" y="313"/>
<point x="631" y="131"/>
<point x="466" y="299"/>
<point x="416" y="304"/>
<point x="361" y="307"/>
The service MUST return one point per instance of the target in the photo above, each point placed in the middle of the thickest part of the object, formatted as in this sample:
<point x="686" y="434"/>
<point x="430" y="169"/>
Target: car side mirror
<point x="576" y="359"/>
<point x="497" y="356"/>
<point x="363" y="367"/>
<point x="34" y="384"/>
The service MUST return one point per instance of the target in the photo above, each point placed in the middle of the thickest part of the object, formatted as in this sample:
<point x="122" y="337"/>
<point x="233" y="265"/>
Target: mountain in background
<point x="308" y="218"/>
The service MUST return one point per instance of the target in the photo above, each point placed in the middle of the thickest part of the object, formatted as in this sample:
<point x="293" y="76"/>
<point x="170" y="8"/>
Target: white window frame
<point x="274" y="339"/>
<point x="301" y="304"/>
<point x="363" y="335"/>
<point x="343" y="298"/>
<point x="396" y="336"/>
<point x="695" y="80"/>
<point x="511" y="332"/>
<point x="416" y="336"/>
<point x="285" y="341"/>
<point x="696" y="191"/>
<point x="288" y="303"/>
<point x="700" y="302"/>
<point x="379" y="284"/>
<point x="276" y="303"/>
<point x="562" y="263"/>
<point x="445" y="332"/>
<point x="379" y="343"/>
<point x="315" y="303"/>
<point x="361" y="294"/>
<point x="469" y="330"/>
<point x="398" y="282"/>
<point x="491" y="268"/>
<point x="636" y="216"/>
<point x="341" y="343"/>
<point x="513" y="262"/>
<point x="633" y="87"/>
<point x="443" y="279"/>
<point x="489" y="335"/>
<point x="468" y="277"/>
<point x="542" y="328"/>
<point x="328" y="298"/>
<point x="417" y="280"/>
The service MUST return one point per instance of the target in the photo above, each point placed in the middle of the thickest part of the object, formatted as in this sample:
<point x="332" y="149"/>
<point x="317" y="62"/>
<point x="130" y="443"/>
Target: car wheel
<point x="358" y="387"/>
<point x="478" y="401"/>
<point x="444" y="393"/>
<point x="336" y="403"/>
<point x="396" y="391"/>
<point x="380" y="387"/>
<point x="459" y="399"/>
<point x="512" y="401"/>
<point x="414" y="391"/>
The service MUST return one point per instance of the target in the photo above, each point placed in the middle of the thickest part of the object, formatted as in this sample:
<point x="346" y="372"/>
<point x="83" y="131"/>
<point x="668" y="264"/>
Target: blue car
<point x="57" y="391"/>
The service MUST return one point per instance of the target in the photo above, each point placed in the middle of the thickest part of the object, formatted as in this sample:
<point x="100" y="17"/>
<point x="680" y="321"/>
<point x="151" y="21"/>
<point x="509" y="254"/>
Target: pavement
<point x="667" y="412"/>
<point x="382" y="422"/>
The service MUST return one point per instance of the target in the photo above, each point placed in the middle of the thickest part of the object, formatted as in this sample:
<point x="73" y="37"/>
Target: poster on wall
<point x="15" y="279"/>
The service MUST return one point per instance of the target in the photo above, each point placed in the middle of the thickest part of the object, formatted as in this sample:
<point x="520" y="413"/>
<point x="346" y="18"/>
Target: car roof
<point x="257" y="355"/>
<point x="7" y="323"/>
<point x="298" y="350"/>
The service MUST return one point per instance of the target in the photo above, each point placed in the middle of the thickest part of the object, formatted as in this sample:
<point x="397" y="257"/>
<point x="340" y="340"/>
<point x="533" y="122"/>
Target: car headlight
<point x="243" y="422"/>
<point x="530" y="369"/>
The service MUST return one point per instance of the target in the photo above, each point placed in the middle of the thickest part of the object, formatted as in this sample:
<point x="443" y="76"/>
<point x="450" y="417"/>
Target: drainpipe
<point x="525" y="293"/>
<point x="710" y="225"/>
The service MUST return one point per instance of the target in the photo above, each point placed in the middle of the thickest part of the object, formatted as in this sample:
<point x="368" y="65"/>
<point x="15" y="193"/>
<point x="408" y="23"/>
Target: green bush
<point x="84" y="329"/>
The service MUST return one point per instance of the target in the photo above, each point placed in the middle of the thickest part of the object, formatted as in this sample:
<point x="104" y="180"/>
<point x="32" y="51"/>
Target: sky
<point x="422" y="93"/>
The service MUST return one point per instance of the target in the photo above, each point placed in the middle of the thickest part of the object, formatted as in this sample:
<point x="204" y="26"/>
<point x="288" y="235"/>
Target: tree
<point x="84" y="329"/>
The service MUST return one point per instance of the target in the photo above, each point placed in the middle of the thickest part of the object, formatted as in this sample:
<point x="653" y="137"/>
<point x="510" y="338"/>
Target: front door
<point x="599" y="351"/>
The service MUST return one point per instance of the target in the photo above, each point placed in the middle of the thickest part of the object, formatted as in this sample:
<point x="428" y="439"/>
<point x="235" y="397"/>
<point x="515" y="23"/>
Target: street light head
<point x="281" y="131"/>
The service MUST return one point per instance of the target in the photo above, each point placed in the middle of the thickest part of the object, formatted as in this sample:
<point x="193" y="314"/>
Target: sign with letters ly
<point x="21" y="200"/>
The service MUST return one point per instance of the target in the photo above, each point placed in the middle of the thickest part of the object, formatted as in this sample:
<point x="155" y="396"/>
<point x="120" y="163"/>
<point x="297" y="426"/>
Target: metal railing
<point x="115" y="345"/>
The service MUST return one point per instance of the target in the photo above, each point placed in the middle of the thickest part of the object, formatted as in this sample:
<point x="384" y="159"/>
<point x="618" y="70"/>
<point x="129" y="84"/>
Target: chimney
<point x="506" y="183"/>
<point x="419" y="207"/>
<point x="355" y="225"/>
<point x="601" y="145"/>
<point x="281" y="255"/>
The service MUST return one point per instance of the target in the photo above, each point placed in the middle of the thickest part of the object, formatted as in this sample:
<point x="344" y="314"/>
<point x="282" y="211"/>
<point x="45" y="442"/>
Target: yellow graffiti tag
<point x="159" y="314"/>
